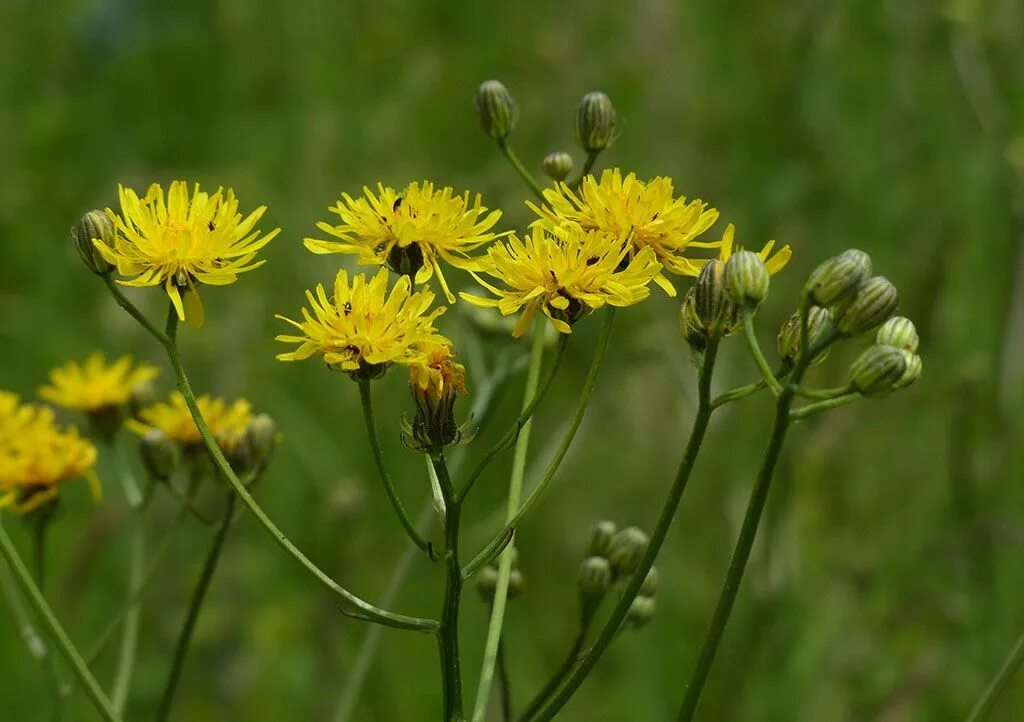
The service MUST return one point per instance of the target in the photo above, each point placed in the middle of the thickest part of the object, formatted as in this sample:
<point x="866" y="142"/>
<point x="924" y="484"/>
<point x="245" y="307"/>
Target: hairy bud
<point x="746" y="279"/>
<point x="838" y="278"/>
<point x="650" y="585"/>
<point x="641" y="611"/>
<point x="557" y="165"/>
<point x="877" y="369"/>
<point x="595" y="578"/>
<point x="712" y="306"/>
<point x="913" y="372"/>
<point x="94" y="224"/>
<point x="496" y="109"/>
<point x="899" y="332"/>
<point x="626" y="549"/>
<point x="875" y="302"/>
<point x="601" y="538"/>
<point x="595" y="122"/>
<point x="818" y="320"/>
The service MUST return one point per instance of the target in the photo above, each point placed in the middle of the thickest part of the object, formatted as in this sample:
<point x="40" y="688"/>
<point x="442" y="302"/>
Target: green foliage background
<point x="887" y="581"/>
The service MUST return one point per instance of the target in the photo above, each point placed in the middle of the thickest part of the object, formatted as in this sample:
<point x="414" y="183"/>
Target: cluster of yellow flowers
<point x="37" y="455"/>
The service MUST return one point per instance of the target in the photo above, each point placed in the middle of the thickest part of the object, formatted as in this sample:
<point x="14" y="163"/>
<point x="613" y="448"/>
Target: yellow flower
<point x="773" y="265"/>
<point x="94" y="385"/>
<point x="411" y="231"/>
<point x="36" y="456"/>
<point x="363" y="328"/>
<point x="434" y="372"/>
<point x="181" y="242"/>
<point x="565" y="276"/>
<point x="436" y="381"/>
<point x="227" y="422"/>
<point x="646" y="214"/>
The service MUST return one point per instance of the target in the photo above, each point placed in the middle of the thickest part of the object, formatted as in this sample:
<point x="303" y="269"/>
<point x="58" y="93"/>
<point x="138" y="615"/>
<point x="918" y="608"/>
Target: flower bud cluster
<point x="613" y="554"/>
<point x="857" y="301"/>
<point x="891" y="363"/>
<point x="487" y="580"/>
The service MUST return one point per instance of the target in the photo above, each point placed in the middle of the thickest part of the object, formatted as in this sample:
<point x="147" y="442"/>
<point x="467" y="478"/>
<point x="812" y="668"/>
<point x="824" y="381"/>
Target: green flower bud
<point x="877" y="369"/>
<point x="746" y="279"/>
<point x="689" y="322"/>
<point x="876" y="301"/>
<point x="713" y="307"/>
<point x="650" y="585"/>
<point x="595" y="122"/>
<point x="496" y="109"/>
<point x="159" y="455"/>
<point x="516" y="583"/>
<point x="626" y="549"/>
<point x="899" y="332"/>
<point x="838" y="278"/>
<point x="601" y="538"/>
<point x="557" y="165"/>
<point x="487" y="583"/>
<point x="594" y="578"/>
<point x="818" y="320"/>
<point x="94" y="224"/>
<point x="263" y="438"/>
<point x="641" y="611"/>
<point x="913" y="372"/>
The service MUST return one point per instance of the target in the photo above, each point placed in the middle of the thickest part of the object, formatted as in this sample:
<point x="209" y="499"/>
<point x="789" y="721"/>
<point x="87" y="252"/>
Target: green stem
<point x="661" y="529"/>
<point x="588" y="167"/>
<point x="755" y="350"/>
<point x="448" y="631"/>
<point x="521" y="169"/>
<point x="559" y="676"/>
<point x="751" y="521"/>
<point x="810" y="409"/>
<point x="130" y="630"/>
<point x="370" y="612"/>
<point x="35" y="645"/>
<point x="198" y="597"/>
<point x="515" y="493"/>
<point x="378" y="457"/>
<point x="1002" y="679"/>
<point x="498" y="542"/>
<point x="504" y="682"/>
<point x="53" y="628"/>
<point x="826" y="394"/>
<point x="136" y="592"/>
<point x="530" y="405"/>
<point x="39" y="529"/>
<point x="744" y="391"/>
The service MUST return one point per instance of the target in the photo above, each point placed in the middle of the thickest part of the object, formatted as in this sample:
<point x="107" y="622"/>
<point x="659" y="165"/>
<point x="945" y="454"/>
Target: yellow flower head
<point x="94" y="385"/>
<point x="227" y="422"/>
<point x="362" y="327"/>
<point x="565" y="276"/>
<point x="411" y="231"/>
<point x="645" y="214"/>
<point x="773" y="265"/>
<point x="181" y="241"/>
<point x="434" y="373"/>
<point x="36" y="456"/>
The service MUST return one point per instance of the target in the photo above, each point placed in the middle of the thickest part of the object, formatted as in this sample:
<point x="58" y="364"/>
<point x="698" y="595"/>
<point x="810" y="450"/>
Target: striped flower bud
<point x="94" y="224"/>
<point x="875" y="302"/>
<point x="594" y="578"/>
<point x="877" y="369"/>
<point x="641" y="611"/>
<point x="595" y="122"/>
<point x="557" y="166"/>
<point x="746" y="279"/>
<point x="650" y="585"/>
<point x="626" y="549"/>
<point x="899" y="332"/>
<point x="838" y="278"/>
<point x="601" y="538"/>
<point x="713" y="307"/>
<point x="913" y="372"/>
<point x="690" y="325"/>
<point x="818" y="320"/>
<point x="496" y="109"/>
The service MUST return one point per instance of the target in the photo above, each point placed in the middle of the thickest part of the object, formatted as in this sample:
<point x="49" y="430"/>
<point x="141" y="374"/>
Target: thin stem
<point x="198" y="597"/>
<point x="498" y="542"/>
<point x="372" y="613"/>
<point x="130" y="630"/>
<point x="39" y="529"/>
<point x="661" y="529"/>
<point x="521" y="169"/>
<point x="559" y="676"/>
<point x="515" y="493"/>
<point x="1002" y="679"/>
<point x="504" y="681"/>
<point x="743" y="391"/>
<point x="136" y="592"/>
<point x="134" y="312"/>
<point x="389" y="487"/>
<point x="751" y="521"/>
<point x="588" y="167"/>
<point x="448" y="632"/>
<point x="809" y="393"/>
<point x="810" y="409"/>
<point x="529" y="407"/>
<point x="35" y="645"/>
<point x="755" y="350"/>
<point x="53" y="628"/>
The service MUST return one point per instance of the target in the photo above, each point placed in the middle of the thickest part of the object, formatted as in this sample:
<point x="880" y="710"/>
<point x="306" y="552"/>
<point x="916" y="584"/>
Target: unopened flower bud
<point x="650" y="585"/>
<point x="595" y="578"/>
<point x="516" y="583"/>
<point x="689" y="322"/>
<point x="838" y="278"/>
<point x="913" y="372"/>
<point x="875" y="302"/>
<point x="713" y="307"/>
<point x="557" y="165"/>
<point x="263" y="438"/>
<point x="641" y="611"/>
<point x="595" y="122"/>
<point x="159" y="455"/>
<point x="487" y="583"/>
<point x="94" y="224"/>
<point x="626" y="549"/>
<point x="877" y="369"/>
<point x="746" y="279"/>
<point x="899" y="332"/>
<point x="601" y="538"/>
<point x="818" y="320"/>
<point x="496" y="109"/>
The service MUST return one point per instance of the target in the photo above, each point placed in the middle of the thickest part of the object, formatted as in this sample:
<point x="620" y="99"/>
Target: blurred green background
<point x="887" y="581"/>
